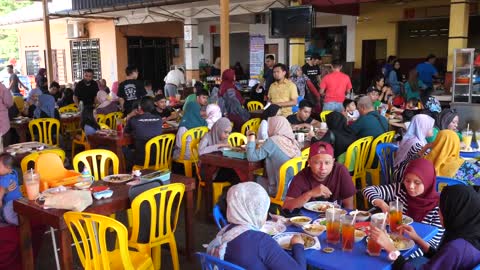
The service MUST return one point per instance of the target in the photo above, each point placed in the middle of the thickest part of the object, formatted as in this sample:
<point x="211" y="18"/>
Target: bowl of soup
<point x="300" y="221"/>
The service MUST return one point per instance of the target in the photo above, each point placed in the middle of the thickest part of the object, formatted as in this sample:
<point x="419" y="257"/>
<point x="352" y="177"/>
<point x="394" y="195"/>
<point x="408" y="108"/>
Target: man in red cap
<point x="324" y="179"/>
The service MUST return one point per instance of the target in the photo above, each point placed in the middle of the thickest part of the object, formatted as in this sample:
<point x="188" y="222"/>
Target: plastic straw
<point x="384" y="219"/>
<point x="397" y="204"/>
<point x="468" y="127"/>
<point x="354" y="216"/>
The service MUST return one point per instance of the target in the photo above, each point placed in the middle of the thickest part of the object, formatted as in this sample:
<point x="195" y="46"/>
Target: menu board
<point x="257" y="55"/>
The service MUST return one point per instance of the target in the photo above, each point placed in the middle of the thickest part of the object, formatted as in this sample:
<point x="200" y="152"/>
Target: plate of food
<point x="118" y="178"/>
<point x="318" y="206"/>
<point x="401" y="243"/>
<point x="273" y="228"/>
<point x="361" y="215"/>
<point x="283" y="239"/>
<point x="405" y="219"/>
<point x="320" y="221"/>
<point x="314" y="229"/>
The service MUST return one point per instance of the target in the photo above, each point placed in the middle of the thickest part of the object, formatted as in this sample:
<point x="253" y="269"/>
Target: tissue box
<point x="163" y="176"/>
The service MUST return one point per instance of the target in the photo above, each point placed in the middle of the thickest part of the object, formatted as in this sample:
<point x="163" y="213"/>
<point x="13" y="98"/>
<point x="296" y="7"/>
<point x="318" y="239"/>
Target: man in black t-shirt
<point x="15" y="83"/>
<point x="303" y="119"/>
<point x="268" y="73"/>
<point x="86" y="89"/>
<point x="161" y="109"/>
<point x="130" y="90"/>
<point x="312" y="69"/>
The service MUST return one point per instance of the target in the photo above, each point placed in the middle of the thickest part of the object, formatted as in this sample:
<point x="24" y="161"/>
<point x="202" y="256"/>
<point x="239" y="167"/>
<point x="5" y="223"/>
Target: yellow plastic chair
<point x="53" y="173"/>
<point x="323" y="115"/>
<point x="386" y="137"/>
<point x="103" y="126"/>
<point x="254" y="106"/>
<point x="195" y="134"/>
<point x="111" y="119"/>
<point x="306" y="152"/>
<point x="82" y="141"/>
<point x="216" y="186"/>
<point x="295" y="164"/>
<point x="91" y="159"/>
<point x="361" y="147"/>
<point x="89" y="233"/>
<point x="251" y="125"/>
<point x="164" y="203"/>
<point x="33" y="157"/>
<point x="237" y="139"/>
<point x="68" y="109"/>
<point x="19" y="102"/>
<point x="44" y="127"/>
<point x="164" y="145"/>
<point x="100" y="118"/>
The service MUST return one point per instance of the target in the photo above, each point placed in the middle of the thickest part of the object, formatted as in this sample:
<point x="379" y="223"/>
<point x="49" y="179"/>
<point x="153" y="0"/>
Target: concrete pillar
<point x="458" y="31"/>
<point x="225" y="34"/>
<point x="48" y="44"/>
<point x="192" y="50"/>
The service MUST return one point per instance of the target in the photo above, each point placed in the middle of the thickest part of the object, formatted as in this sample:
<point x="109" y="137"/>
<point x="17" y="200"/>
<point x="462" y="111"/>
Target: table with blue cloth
<point x="473" y="154"/>
<point x="358" y="258"/>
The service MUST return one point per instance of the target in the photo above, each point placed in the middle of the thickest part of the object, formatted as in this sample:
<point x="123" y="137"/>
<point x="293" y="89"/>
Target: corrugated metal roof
<point x="34" y="12"/>
<point x="91" y="4"/>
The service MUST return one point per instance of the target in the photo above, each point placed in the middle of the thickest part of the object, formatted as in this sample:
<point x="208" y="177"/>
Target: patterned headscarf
<point x="299" y="81"/>
<point x="417" y="131"/>
<point x="247" y="208"/>
<point x="446" y="117"/>
<point x="213" y="114"/>
<point x="280" y="131"/>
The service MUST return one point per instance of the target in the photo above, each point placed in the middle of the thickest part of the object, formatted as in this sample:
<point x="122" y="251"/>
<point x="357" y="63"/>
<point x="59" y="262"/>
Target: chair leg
<point x="188" y="168"/>
<point x="55" y="252"/>
<point x="199" y="197"/>
<point x="156" y="253"/>
<point x="174" y="252"/>
<point x="73" y="150"/>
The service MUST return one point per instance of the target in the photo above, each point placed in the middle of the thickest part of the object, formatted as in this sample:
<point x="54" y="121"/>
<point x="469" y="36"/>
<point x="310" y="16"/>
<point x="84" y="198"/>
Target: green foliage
<point x="8" y="37"/>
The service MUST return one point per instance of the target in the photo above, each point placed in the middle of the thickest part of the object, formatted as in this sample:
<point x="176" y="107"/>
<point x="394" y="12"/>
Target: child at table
<point x="9" y="189"/>
<point x="351" y="111"/>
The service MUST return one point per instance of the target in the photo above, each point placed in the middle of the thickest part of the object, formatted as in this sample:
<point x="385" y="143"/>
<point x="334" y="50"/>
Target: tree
<point x="8" y="37"/>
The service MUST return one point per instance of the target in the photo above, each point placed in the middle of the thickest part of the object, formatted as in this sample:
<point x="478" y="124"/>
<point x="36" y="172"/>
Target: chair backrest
<point x="24" y="164"/>
<point x="111" y="119"/>
<point x="49" y="166"/>
<point x="386" y="156"/>
<point x="251" y="124"/>
<point x="89" y="233"/>
<point x="237" y="139"/>
<point x="445" y="181"/>
<point x="220" y="220"/>
<point x="164" y="203"/>
<point x="386" y="137"/>
<point x="103" y="126"/>
<point x="306" y="152"/>
<point x="295" y="165"/>
<point x="45" y="128"/>
<point x="254" y="105"/>
<point x="323" y="115"/>
<point x="91" y="158"/>
<point x="360" y="148"/>
<point x="68" y="108"/>
<point x="100" y="118"/>
<point x="163" y="145"/>
<point x="195" y="135"/>
<point x="213" y="263"/>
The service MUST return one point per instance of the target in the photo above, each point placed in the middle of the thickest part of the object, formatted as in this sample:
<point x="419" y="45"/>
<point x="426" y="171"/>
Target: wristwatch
<point x="392" y="256"/>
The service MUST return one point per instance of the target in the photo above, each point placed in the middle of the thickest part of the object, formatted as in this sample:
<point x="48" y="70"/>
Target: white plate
<point x="283" y="239"/>
<point x="405" y="219"/>
<point x="314" y="206"/>
<point x="273" y="228"/>
<point x="321" y="221"/>
<point x="473" y="150"/>
<point x="405" y="244"/>
<point x="122" y="178"/>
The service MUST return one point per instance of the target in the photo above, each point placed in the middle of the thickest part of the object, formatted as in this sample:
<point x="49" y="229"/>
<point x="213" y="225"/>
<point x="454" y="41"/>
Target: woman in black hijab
<point x="460" y="246"/>
<point x="339" y="134"/>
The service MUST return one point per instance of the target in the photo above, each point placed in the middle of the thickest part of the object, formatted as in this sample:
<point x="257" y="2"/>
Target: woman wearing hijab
<point x="233" y="109"/>
<point x="213" y="114"/>
<point x="105" y="104"/>
<point x="413" y="85"/>
<point x="303" y="83"/>
<point x="395" y="78"/>
<point x="242" y="242"/>
<point x="228" y="82"/>
<point x="46" y="107"/>
<point x="89" y="123"/>
<point x="339" y="134"/>
<point x="412" y="143"/>
<point x="445" y="156"/>
<point x="41" y="78"/>
<point x="67" y="98"/>
<point x="460" y="247"/>
<point x="271" y="111"/>
<point x="416" y="192"/>
<point x="447" y="119"/>
<point x="280" y="147"/>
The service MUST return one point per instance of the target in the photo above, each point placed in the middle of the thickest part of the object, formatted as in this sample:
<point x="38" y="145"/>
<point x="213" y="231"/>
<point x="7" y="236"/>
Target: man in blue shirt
<point x="370" y="122"/>
<point x="427" y="71"/>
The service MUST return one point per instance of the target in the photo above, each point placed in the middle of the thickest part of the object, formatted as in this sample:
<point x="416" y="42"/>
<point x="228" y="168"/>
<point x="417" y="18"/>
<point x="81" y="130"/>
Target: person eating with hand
<point x="302" y="119"/>
<point x="323" y="179"/>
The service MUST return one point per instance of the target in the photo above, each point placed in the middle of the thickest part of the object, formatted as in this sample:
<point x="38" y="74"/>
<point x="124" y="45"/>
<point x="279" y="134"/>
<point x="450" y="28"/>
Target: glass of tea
<point x="348" y="232"/>
<point x="333" y="225"/>
<point x="373" y="248"/>
<point x="395" y="215"/>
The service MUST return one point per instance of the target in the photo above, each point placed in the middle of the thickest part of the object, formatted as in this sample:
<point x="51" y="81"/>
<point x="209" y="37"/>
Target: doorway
<point x="374" y="53"/>
<point x="152" y="57"/>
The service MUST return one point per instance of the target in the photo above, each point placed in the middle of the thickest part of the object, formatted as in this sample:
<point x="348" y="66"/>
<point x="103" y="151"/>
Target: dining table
<point x="358" y="257"/>
<point x="31" y="211"/>
<point x="21" y="127"/>
<point x="115" y="141"/>
<point x="256" y="114"/>
<point x="32" y="147"/>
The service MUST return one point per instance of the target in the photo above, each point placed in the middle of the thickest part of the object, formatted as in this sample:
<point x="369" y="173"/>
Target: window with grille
<point x="33" y="62"/>
<point x="85" y="54"/>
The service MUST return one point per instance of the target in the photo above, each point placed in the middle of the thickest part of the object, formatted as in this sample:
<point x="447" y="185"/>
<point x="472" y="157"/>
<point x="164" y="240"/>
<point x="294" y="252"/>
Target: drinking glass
<point x="32" y="184"/>
<point x="395" y="215"/>
<point x="467" y="139"/>
<point x="373" y="248"/>
<point x="348" y="232"/>
<point x="477" y="137"/>
<point x="333" y="225"/>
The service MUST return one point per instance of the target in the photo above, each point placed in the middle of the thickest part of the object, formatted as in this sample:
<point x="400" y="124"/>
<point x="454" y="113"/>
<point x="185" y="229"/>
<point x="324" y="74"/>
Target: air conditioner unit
<point x="76" y="30"/>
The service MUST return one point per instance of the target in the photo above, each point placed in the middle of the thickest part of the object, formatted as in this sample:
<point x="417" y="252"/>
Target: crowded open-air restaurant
<point x="267" y="134"/>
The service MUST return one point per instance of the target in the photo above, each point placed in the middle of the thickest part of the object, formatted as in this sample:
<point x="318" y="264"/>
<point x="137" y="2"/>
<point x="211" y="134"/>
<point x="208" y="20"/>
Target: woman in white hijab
<point x="242" y="243"/>
<point x="213" y="114"/>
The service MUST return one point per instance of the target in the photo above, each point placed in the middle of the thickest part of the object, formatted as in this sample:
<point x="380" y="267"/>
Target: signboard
<point x="187" y="32"/>
<point x="257" y="55"/>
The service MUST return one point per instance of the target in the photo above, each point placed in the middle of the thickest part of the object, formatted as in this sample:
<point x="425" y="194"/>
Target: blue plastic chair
<point x="477" y="267"/>
<point x="213" y="263"/>
<point x="220" y="220"/>
<point x="385" y="153"/>
<point x="445" y="181"/>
